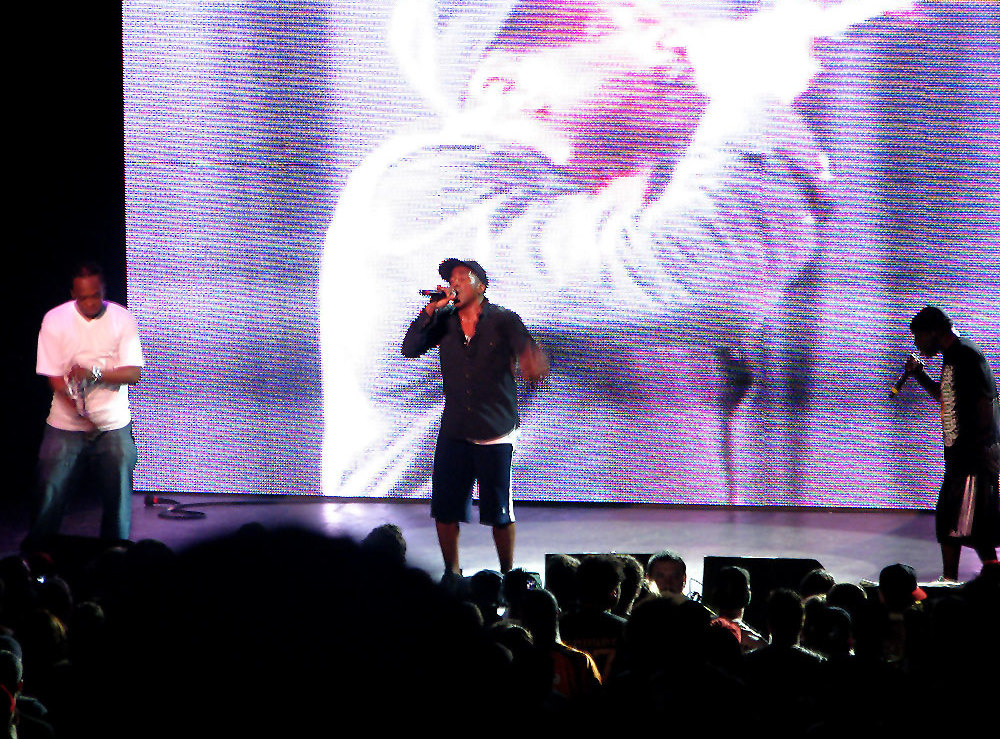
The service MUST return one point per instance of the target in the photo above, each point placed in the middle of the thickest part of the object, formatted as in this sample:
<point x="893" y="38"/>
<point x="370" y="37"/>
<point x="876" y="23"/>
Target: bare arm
<point x="916" y="368"/>
<point x="122" y="376"/>
<point x="117" y="376"/>
<point x="533" y="363"/>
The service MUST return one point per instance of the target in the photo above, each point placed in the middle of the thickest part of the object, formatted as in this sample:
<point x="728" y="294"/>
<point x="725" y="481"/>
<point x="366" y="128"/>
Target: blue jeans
<point x="60" y="460"/>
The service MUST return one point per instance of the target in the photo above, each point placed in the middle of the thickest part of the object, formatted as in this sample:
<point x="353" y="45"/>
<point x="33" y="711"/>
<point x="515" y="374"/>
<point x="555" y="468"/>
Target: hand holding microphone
<point x="914" y="364"/>
<point x="78" y="382"/>
<point x="439" y="298"/>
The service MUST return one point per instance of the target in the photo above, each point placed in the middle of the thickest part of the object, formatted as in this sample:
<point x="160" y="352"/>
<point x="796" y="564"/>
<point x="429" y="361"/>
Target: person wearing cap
<point x="902" y="620"/>
<point x="897" y="587"/>
<point x="968" y="506"/>
<point x="480" y="344"/>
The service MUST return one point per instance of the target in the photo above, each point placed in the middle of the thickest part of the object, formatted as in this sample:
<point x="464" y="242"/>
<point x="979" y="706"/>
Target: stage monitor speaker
<point x="766" y="574"/>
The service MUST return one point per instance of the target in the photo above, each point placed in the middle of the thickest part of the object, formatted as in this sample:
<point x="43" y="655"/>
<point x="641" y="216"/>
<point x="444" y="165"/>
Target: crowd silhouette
<point x="286" y="632"/>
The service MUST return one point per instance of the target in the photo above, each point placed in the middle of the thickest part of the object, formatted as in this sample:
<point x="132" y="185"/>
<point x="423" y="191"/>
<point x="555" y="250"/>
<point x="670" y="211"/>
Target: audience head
<point x="785" y="615"/>
<point x="540" y="616"/>
<point x="816" y="582"/>
<point x="730" y="593"/>
<point x="634" y="575"/>
<point x="666" y="631"/>
<point x="560" y="579"/>
<point x="386" y="542"/>
<point x="667" y="569"/>
<point x="531" y="678"/>
<point x="512" y="636"/>
<point x="55" y="596"/>
<point x="897" y="586"/>
<point x="516" y="584"/>
<point x="850" y="597"/>
<point x="9" y="644"/>
<point x="830" y="631"/>
<point x="486" y="591"/>
<point x="600" y="580"/>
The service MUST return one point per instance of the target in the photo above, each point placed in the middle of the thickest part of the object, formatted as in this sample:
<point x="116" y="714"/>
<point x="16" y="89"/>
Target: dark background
<point x="68" y="191"/>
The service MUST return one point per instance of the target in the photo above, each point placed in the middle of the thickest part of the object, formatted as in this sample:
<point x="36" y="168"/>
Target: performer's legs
<point x="58" y="463"/>
<point x="951" y="553"/>
<point x="493" y="462"/>
<point x="451" y="495"/>
<point x="986" y="553"/>
<point x="116" y="456"/>
<point x="945" y="517"/>
<point x="503" y="538"/>
<point x="989" y="511"/>
<point x="986" y="520"/>
<point x="448" y="541"/>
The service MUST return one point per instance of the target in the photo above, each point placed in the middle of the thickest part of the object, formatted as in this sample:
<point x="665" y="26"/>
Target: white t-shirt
<point x="107" y="342"/>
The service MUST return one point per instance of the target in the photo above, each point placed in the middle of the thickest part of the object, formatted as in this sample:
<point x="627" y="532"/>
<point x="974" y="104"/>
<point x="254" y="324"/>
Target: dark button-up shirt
<point x="480" y="394"/>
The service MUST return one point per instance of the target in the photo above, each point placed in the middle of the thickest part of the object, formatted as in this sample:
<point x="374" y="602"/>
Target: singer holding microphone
<point x="89" y="350"/>
<point x="480" y="345"/>
<point x="967" y="512"/>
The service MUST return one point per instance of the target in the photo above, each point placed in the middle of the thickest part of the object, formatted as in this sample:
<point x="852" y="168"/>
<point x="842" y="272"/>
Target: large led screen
<point x="716" y="217"/>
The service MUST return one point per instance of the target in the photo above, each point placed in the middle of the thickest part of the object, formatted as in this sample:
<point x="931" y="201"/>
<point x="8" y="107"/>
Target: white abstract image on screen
<point x="638" y="183"/>
<point x="718" y="217"/>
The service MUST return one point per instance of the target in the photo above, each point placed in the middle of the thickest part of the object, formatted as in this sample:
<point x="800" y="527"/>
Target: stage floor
<point x="851" y="544"/>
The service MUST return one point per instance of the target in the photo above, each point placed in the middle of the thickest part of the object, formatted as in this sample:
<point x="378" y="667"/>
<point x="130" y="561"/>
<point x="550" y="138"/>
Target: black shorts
<point x="458" y="464"/>
<point x="968" y="509"/>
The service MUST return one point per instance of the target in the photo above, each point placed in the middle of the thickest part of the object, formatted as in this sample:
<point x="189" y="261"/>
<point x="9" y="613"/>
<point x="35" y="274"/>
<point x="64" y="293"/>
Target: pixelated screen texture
<point x="724" y="315"/>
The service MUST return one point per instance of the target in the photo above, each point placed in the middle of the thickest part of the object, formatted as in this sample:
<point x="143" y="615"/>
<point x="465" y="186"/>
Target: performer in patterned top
<point x="967" y="512"/>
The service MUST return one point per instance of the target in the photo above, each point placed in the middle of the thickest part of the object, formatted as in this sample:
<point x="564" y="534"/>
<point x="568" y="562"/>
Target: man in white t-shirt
<point x="89" y="350"/>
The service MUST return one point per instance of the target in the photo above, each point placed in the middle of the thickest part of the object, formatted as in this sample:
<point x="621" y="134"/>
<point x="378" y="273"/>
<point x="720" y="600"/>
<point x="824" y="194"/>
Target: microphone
<point x="434" y="294"/>
<point x="898" y="385"/>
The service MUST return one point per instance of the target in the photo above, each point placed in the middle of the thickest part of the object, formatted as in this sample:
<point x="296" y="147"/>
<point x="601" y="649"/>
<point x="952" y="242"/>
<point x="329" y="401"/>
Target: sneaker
<point x="942" y="580"/>
<point x="453" y="582"/>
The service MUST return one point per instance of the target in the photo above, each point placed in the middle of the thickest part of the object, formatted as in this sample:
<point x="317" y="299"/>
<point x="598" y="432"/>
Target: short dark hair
<point x="516" y="583"/>
<point x="633" y="575"/>
<point x="666" y="555"/>
<point x="731" y="589"/>
<point x="816" y="582"/>
<point x="829" y="630"/>
<point x="540" y="616"/>
<point x="785" y="614"/>
<point x="929" y="319"/>
<point x="598" y="575"/>
<point x="87" y="268"/>
<point x="386" y="542"/>
<point x="560" y="578"/>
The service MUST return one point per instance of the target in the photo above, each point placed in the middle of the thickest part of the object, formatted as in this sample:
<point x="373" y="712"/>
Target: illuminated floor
<point x="852" y="544"/>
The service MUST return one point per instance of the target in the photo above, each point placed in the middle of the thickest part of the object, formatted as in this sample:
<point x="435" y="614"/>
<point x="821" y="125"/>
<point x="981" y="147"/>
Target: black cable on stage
<point x="184" y="511"/>
<point x="176" y="508"/>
